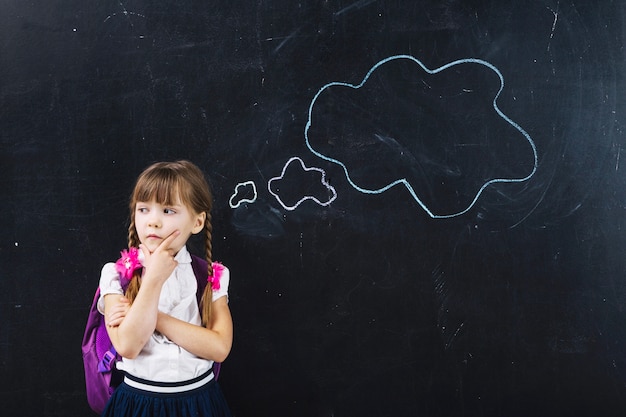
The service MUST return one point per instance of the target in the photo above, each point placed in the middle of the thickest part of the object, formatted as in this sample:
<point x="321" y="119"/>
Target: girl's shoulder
<point x="110" y="279"/>
<point x="220" y="281"/>
<point x="109" y="283"/>
<point x="109" y="271"/>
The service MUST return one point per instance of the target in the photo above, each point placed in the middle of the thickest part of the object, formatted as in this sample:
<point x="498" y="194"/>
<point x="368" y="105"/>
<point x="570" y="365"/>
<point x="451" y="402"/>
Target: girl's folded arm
<point x="212" y="342"/>
<point x="137" y="323"/>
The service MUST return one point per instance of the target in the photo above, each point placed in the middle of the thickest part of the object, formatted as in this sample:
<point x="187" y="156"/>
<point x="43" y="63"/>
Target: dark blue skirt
<point x="205" y="401"/>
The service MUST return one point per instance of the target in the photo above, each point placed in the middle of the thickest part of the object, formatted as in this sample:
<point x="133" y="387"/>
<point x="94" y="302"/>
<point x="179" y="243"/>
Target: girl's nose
<point x="154" y="221"/>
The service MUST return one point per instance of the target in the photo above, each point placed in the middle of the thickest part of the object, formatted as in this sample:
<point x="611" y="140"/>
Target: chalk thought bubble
<point x="298" y="183"/>
<point x="245" y="192"/>
<point x="438" y="133"/>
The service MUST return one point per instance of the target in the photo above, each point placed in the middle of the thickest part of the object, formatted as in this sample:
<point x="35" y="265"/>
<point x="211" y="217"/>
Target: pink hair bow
<point x="214" y="279"/>
<point x="127" y="264"/>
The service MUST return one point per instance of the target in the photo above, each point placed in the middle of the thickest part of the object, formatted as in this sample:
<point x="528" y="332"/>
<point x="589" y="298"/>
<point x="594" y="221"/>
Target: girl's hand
<point x="117" y="312"/>
<point x="159" y="264"/>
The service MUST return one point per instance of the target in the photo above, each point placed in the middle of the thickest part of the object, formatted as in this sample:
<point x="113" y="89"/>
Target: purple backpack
<point x="99" y="355"/>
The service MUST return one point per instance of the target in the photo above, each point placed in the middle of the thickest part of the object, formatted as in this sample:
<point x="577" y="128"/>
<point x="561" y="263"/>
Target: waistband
<point x="169" y="387"/>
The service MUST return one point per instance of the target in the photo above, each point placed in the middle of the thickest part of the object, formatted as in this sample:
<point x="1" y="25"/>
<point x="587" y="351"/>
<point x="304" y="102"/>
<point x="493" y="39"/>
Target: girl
<point x="167" y="343"/>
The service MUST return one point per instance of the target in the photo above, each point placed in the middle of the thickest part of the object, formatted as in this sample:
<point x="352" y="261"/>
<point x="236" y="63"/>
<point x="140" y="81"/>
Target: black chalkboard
<point x="422" y="203"/>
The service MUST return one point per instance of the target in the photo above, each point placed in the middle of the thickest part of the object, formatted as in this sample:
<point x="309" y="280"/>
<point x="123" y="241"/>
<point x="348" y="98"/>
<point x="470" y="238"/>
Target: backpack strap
<point x="200" y="269"/>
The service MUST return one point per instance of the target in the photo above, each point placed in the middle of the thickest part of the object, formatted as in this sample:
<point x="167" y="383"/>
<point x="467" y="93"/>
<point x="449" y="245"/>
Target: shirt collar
<point x="183" y="256"/>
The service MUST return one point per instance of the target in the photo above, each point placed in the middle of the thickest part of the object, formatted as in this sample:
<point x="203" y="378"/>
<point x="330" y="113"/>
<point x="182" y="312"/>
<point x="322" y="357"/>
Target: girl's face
<point x="155" y="222"/>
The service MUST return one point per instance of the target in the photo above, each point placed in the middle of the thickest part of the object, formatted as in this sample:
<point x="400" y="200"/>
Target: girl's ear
<point x="199" y="223"/>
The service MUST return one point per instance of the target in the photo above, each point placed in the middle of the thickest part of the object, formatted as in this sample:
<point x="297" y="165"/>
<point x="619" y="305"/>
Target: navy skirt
<point x="131" y="400"/>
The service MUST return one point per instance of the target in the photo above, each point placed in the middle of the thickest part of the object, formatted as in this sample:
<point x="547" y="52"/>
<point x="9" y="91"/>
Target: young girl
<point x="167" y="343"/>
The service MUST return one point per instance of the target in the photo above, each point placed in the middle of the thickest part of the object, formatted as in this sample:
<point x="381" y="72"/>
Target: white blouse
<point x="161" y="359"/>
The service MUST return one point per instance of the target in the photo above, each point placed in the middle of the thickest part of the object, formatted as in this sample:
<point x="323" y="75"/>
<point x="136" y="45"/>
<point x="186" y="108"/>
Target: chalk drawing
<point x="357" y="5"/>
<point x="247" y="185"/>
<point x="276" y="181"/>
<point x="403" y="181"/>
<point x="125" y="13"/>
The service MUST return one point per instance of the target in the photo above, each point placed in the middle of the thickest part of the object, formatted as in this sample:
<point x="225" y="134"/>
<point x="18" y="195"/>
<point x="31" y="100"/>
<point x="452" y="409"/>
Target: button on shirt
<point x="161" y="359"/>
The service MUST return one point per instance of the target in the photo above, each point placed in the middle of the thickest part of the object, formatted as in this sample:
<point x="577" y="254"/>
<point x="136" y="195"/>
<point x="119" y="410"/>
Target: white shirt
<point x="161" y="359"/>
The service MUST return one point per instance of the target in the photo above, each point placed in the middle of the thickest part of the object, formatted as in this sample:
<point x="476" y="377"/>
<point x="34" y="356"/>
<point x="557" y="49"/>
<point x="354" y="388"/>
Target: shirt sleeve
<point x="109" y="284"/>
<point x="224" y="282"/>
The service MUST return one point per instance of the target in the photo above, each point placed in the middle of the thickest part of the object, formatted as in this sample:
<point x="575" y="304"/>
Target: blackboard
<point x="422" y="203"/>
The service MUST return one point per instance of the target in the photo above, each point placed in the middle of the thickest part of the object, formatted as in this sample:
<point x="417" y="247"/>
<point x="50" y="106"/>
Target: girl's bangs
<point x="164" y="189"/>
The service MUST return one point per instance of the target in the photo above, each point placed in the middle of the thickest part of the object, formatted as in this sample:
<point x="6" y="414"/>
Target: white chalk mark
<point x="126" y="13"/>
<point x="304" y="167"/>
<point x="556" y="17"/>
<point x="283" y="40"/>
<point x="356" y="5"/>
<point x="404" y="181"/>
<point x="243" y="200"/>
<point x="451" y="338"/>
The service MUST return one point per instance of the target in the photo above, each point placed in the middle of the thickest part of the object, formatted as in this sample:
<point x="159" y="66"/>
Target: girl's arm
<point x="130" y="335"/>
<point x="212" y="342"/>
<point x="139" y="320"/>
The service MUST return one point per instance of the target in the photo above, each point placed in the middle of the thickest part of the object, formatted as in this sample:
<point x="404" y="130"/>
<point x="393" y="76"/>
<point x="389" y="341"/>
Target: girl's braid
<point x="207" y="296"/>
<point x="209" y="242"/>
<point x="133" y="242"/>
<point x="133" y="238"/>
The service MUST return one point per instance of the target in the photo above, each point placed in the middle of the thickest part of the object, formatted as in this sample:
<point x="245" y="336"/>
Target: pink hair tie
<point x="127" y="264"/>
<point x="214" y="279"/>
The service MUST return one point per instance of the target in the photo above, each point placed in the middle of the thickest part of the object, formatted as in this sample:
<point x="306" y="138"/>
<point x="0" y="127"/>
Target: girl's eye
<point x="142" y="209"/>
<point x="169" y="211"/>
